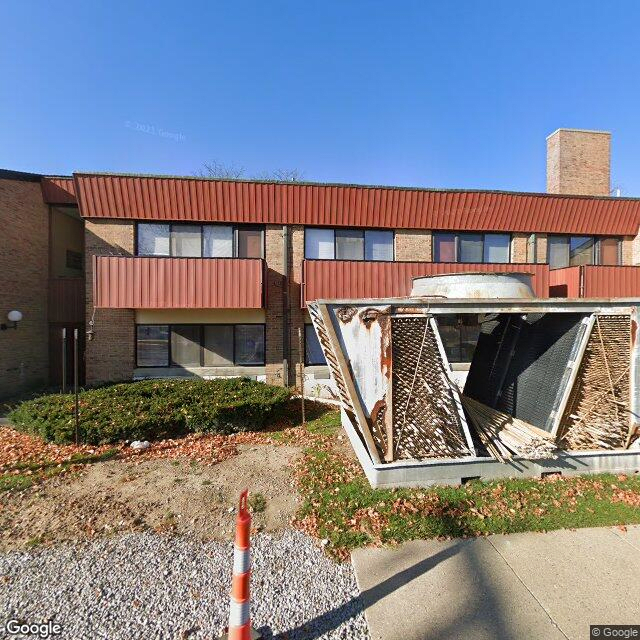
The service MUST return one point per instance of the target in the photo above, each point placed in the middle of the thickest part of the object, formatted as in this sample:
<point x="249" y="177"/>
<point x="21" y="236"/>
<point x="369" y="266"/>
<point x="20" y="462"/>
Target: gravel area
<point x="153" y="586"/>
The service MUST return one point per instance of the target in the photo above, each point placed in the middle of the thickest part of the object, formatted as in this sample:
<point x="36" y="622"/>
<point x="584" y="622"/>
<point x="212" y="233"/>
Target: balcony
<point x="595" y="281"/>
<point x="335" y="279"/>
<point x="177" y="283"/>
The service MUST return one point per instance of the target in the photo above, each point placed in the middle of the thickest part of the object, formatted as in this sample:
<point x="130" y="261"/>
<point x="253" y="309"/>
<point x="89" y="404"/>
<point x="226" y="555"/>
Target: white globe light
<point x="14" y="316"/>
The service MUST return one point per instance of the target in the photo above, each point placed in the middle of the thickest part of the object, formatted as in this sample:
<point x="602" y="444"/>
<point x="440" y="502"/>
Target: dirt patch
<point x="180" y="495"/>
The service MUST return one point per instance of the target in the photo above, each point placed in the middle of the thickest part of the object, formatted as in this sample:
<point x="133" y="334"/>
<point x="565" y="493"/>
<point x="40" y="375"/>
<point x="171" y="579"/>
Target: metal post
<point x="301" y="352"/>
<point x="75" y="381"/>
<point x="64" y="360"/>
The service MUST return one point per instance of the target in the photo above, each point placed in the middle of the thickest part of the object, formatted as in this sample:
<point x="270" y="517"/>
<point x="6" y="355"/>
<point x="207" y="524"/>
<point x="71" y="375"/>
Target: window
<point x="459" y="333"/>
<point x="196" y="240"/>
<point x="152" y="342"/>
<point x="558" y="251"/>
<point x="185" y="345"/>
<point x="153" y="239"/>
<point x="580" y="250"/>
<point x="186" y="241"/>
<point x="532" y="257"/>
<point x="319" y="244"/>
<point x="249" y="344"/>
<point x="609" y="251"/>
<point x="378" y="245"/>
<point x="195" y="345"/>
<point x="312" y="349"/>
<point x="570" y="251"/>
<point x="348" y="244"/>
<point x="218" y="345"/>
<point x="444" y="247"/>
<point x="471" y="247"/>
<point x="496" y="247"/>
<point x="249" y="243"/>
<point x="217" y="241"/>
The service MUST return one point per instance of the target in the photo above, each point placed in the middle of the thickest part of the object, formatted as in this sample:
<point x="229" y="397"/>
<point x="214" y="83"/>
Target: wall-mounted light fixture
<point x="14" y="317"/>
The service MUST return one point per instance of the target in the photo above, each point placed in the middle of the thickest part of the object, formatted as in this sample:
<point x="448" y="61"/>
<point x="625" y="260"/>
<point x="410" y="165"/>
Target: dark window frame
<point x="235" y="227"/>
<point x="596" y="250"/>
<point x="201" y="325"/>
<point x="457" y="235"/>
<point x="304" y="347"/>
<point x="364" y="240"/>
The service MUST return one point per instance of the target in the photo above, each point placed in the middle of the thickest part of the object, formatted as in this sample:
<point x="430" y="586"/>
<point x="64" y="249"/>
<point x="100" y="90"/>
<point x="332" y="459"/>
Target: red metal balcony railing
<point x="595" y="281"/>
<point x="327" y="279"/>
<point x="177" y="283"/>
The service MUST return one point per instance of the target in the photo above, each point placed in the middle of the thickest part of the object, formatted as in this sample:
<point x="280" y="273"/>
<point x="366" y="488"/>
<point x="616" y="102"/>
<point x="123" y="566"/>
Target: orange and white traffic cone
<point x="239" y="615"/>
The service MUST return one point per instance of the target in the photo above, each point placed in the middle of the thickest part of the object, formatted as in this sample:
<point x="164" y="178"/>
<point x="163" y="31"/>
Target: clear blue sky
<point x="439" y="94"/>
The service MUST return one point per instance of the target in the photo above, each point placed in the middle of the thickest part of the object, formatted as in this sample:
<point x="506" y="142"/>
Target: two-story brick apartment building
<point x="195" y="276"/>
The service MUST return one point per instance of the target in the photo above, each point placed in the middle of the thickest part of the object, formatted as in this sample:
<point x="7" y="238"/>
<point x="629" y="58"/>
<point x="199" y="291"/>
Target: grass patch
<point x="23" y="475"/>
<point x="257" y="502"/>
<point x="340" y="505"/>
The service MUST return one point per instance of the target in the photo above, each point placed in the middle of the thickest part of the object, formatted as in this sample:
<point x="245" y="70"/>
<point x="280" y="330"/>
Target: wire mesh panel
<point x="597" y="413"/>
<point x="426" y="421"/>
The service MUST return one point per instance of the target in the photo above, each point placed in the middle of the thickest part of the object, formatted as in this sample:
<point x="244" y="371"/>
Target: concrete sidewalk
<point x="528" y="585"/>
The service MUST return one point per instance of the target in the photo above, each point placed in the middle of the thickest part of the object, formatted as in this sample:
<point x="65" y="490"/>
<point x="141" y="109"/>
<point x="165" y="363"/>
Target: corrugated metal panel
<point x="611" y="281"/>
<point x="564" y="283"/>
<point x="177" y="283"/>
<point x="56" y="190"/>
<point x="335" y="279"/>
<point x="66" y="300"/>
<point x="169" y="198"/>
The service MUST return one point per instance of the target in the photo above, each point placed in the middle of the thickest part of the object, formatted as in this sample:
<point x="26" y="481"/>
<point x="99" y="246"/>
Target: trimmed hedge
<point x="153" y="409"/>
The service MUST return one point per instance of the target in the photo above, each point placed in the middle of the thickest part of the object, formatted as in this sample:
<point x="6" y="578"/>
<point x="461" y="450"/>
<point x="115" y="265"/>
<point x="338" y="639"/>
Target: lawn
<point x="341" y="507"/>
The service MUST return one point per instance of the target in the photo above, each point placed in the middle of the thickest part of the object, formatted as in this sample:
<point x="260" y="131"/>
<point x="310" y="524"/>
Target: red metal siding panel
<point x="177" y="283"/>
<point x="564" y="283"/>
<point x="56" y="190"/>
<point x="142" y="197"/>
<point x="611" y="281"/>
<point x="336" y="279"/>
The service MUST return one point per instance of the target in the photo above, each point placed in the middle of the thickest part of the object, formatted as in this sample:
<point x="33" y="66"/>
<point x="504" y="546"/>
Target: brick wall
<point x="519" y="247"/>
<point x="413" y="245"/>
<point x="24" y="269"/>
<point x="578" y="162"/>
<point x="541" y="247"/>
<point x="110" y="355"/>
<point x="274" y="255"/>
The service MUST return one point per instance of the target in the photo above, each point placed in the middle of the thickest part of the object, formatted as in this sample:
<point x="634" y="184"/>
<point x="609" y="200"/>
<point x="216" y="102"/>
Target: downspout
<point x="285" y="305"/>
<point x="581" y="282"/>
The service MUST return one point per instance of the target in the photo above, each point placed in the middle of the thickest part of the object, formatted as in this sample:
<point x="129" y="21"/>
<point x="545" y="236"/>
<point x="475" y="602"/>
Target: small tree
<point x="222" y="171"/>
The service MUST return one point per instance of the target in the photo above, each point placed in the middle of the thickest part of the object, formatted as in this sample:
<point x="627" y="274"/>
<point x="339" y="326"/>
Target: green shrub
<point x="153" y="409"/>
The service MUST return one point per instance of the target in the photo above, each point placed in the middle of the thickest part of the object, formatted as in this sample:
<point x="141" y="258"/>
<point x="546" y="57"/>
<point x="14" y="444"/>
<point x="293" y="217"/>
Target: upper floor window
<point x="471" y="247"/>
<point x="199" y="240"/>
<point x="570" y="251"/>
<point x="348" y="244"/>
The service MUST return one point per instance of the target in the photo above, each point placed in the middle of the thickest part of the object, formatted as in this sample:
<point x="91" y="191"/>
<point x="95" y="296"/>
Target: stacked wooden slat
<point x="505" y="436"/>
<point x="597" y="414"/>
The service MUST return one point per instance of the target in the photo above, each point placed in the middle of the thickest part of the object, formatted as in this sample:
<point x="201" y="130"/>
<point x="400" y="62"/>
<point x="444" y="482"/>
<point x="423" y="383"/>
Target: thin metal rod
<point x="301" y="357"/>
<point x="75" y="383"/>
<point x="64" y="360"/>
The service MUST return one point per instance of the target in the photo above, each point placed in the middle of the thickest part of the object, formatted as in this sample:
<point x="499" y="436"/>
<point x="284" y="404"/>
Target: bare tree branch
<point x="222" y="171"/>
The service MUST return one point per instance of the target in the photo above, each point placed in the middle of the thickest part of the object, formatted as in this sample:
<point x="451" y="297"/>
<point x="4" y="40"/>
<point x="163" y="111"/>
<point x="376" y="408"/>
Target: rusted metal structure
<point x="555" y="382"/>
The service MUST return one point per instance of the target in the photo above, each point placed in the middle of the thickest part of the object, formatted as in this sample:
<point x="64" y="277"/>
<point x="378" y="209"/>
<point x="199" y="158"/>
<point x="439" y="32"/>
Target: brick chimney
<point x="578" y="162"/>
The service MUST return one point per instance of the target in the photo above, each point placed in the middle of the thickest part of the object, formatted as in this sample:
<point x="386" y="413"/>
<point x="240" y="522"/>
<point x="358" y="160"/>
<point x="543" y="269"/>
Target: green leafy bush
<point x="153" y="409"/>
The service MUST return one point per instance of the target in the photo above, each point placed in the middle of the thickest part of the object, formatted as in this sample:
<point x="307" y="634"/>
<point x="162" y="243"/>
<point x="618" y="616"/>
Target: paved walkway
<point x="527" y="585"/>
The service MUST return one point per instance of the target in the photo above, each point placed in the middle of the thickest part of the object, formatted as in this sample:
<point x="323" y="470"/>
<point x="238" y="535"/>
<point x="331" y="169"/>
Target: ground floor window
<point x="459" y="333"/>
<point x="312" y="349"/>
<point x="197" y="345"/>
